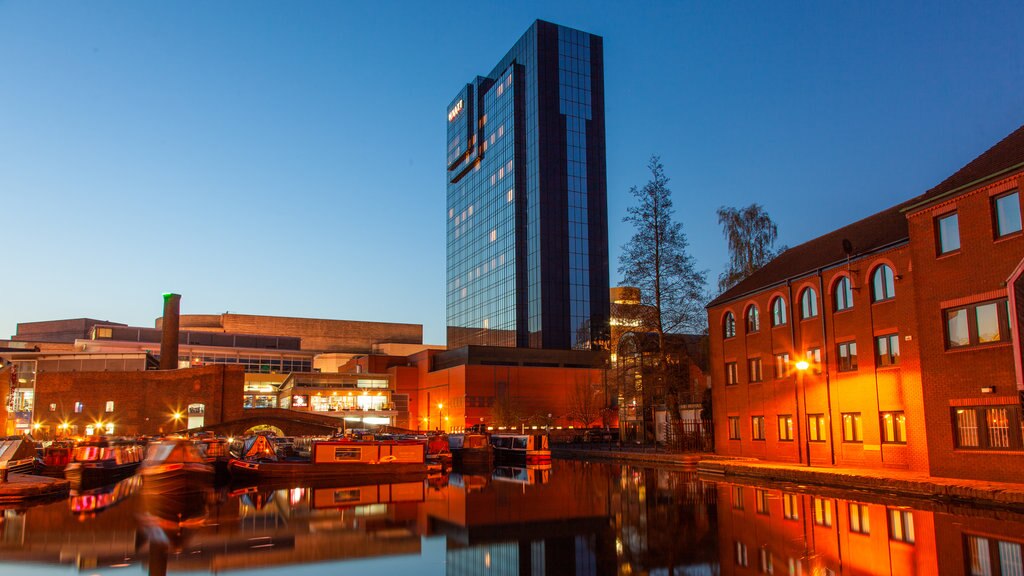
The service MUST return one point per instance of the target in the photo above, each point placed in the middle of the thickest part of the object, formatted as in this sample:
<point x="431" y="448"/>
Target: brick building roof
<point x="876" y="231"/>
<point x="879" y="230"/>
<point x="1004" y="157"/>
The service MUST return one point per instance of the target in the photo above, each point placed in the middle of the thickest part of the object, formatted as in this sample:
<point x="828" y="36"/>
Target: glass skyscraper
<point x="527" y="197"/>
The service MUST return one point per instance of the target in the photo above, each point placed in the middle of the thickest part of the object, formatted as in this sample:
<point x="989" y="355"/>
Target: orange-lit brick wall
<point x="822" y="389"/>
<point x="978" y="271"/>
<point x="144" y="402"/>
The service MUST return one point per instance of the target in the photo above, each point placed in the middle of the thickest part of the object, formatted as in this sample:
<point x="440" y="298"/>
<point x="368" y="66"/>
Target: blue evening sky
<point x="287" y="158"/>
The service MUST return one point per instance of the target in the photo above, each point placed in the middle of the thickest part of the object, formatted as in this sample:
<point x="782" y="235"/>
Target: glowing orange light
<point x="802" y="365"/>
<point x="454" y="112"/>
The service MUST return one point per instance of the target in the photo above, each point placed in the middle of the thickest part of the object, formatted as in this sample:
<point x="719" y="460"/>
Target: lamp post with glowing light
<point x="440" y="407"/>
<point x="801" y="368"/>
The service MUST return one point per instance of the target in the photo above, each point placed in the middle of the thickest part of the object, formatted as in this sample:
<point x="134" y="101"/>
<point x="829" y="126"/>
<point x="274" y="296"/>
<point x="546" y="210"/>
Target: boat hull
<point x="177" y="478"/>
<point x="85" y="476"/>
<point x="473" y="456"/>
<point x="513" y="456"/>
<point x="364" y="471"/>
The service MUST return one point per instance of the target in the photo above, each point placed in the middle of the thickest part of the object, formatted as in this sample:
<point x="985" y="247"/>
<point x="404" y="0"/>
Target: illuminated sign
<point x="454" y="112"/>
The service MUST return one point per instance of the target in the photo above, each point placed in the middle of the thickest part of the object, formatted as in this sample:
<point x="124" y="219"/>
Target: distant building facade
<point x="909" y="322"/>
<point x="527" y="222"/>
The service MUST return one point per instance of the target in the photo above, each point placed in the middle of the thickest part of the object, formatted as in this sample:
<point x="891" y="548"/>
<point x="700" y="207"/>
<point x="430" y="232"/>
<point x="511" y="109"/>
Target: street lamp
<point x="801" y="368"/>
<point x="440" y="406"/>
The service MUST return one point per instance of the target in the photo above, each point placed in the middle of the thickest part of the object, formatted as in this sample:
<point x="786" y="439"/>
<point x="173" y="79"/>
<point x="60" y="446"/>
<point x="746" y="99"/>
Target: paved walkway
<point x="24" y="487"/>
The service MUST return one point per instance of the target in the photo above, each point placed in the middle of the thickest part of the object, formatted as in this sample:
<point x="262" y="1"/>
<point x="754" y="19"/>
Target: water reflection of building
<point x="784" y="530"/>
<point x="664" y="521"/>
<point x="547" y="522"/>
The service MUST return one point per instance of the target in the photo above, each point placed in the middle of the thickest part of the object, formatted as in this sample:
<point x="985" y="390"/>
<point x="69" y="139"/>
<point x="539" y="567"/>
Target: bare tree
<point x="584" y="406"/>
<point x="750" y="234"/>
<point x="656" y="261"/>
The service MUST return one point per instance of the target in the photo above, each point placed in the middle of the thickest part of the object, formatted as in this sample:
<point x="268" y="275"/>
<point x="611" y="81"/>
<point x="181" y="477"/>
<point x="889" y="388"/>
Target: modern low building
<point x="891" y="342"/>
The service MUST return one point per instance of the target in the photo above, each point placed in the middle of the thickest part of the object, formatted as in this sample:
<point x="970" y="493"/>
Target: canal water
<point x="573" y="518"/>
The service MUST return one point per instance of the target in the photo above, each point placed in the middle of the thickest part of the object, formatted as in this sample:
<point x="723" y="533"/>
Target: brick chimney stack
<point x="169" y="338"/>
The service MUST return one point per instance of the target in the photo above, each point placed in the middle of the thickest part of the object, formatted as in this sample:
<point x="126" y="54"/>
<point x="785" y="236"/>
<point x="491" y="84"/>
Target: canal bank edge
<point x="23" y="488"/>
<point x="999" y="495"/>
<point x="974" y="492"/>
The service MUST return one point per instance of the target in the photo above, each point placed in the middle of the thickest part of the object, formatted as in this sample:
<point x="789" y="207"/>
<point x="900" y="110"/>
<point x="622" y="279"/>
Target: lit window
<point x="767" y="566"/>
<point x="511" y="194"/>
<point x="844" y="294"/>
<point x="948" y="231"/>
<point x="761" y="499"/>
<point x="982" y="323"/>
<point x="729" y="325"/>
<point x="1007" y="213"/>
<point x="731" y="373"/>
<point x="757" y="427"/>
<point x="754" y="369"/>
<point x="778" y="312"/>
<point x="822" y="512"/>
<point x="816" y="431"/>
<point x="901" y="525"/>
<point x="741" y="554"/>
<point x="781" y="365"/>
<point x="753" y="319"/>
<point x="790" y="507"/>
<point x="104" y="332"/>
<point x="110" y="406"/>
<point x="808" y="303"/>
<point x="887" y="349"/>
<point x="847" y="356"/>
<point x="894" y="428"/>
<point x="737" y="497"/>
<point x="79" y="407"/>
<point x="734" y="427"/>
<point x="494" y="235"/>
<point x="53" y="406"/>
<point x="814" y="359"/>
<point x="883" y="284"/>
<point x="785" y="427"/>
<point x="860" y="522"/>
<point x="852" y="429"/>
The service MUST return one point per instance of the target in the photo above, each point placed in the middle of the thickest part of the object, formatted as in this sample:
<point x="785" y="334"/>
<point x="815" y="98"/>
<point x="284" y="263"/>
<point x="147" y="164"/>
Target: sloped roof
<point x="885" y="228"/>
<point x="888" y="227"/>
<point x="1005" y="156"/>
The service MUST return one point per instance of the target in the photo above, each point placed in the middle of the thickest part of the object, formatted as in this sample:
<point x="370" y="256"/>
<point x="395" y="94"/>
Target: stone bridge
<point x="289" y="422"/>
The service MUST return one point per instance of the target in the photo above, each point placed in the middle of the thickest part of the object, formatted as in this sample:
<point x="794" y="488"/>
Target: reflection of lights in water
<point x="296" y="495"/>
<point x="618" y="546"/>
<point x="487" y="560"/>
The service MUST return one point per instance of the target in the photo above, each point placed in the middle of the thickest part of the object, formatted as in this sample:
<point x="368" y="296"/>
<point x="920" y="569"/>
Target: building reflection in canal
<point x="569" y="518"/>
<point x="778" y="529"/>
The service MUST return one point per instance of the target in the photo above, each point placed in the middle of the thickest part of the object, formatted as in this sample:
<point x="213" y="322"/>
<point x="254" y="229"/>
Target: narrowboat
<point x="521" y="448"/>
<point x="54" y="459"/>
<point x="98" y="461"/>
<point x="381" y="461"/>
<point x="471" y="450"/>
<point x="438" y="451"/>
<point x="175" y="466"/>
<point x="217" y="453"/>
<point x="17" y="455"/>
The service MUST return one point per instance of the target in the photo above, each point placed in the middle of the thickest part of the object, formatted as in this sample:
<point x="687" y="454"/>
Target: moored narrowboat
<point x="381" y="461"/>
<point x="471" y="450"/>
<point x="175" y="466"/>
<point x="54" y="459"/>
<point x="17" y="455"/>
<point x="98" y="461"/>
<point x="521" y="448"/>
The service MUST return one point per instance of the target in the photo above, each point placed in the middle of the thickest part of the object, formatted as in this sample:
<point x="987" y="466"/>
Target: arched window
<point x="808" y="303"/>
<point x="729" y="325"/>
<point x="883" y="285"/>
<point x="753" y="319"/>
<point x="844" y="294"/>
<point x="778" y="312"/>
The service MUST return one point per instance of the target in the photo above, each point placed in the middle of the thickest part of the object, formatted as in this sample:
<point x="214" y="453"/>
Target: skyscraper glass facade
<point x="527" y="218"/>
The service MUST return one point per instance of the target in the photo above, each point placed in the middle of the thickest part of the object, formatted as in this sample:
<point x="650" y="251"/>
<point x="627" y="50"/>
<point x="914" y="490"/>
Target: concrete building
<point x="927" y="292"/>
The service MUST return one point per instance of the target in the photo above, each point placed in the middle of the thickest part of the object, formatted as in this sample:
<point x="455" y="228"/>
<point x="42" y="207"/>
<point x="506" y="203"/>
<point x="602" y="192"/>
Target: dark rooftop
<point x="888" y="227"/>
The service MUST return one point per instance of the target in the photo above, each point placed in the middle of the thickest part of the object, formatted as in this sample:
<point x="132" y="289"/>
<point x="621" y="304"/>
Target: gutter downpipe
<point x="798" y="376"/>
<point x="828" y="385"/>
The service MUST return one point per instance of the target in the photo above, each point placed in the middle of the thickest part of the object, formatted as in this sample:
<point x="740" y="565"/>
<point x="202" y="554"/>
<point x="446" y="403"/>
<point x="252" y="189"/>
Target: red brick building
<point x="926" y="293"/>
